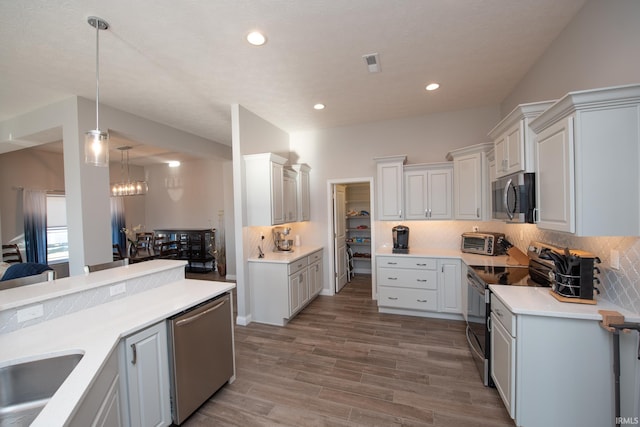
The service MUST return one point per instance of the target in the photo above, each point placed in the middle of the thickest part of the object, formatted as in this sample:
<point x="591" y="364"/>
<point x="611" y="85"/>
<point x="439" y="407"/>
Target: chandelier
<point x="127" y="187"/>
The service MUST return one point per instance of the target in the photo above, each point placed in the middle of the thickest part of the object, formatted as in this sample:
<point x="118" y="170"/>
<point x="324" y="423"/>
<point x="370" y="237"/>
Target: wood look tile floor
<point x="341" y="363"/>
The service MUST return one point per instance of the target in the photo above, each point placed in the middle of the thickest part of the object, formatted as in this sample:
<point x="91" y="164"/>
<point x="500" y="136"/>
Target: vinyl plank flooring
<point x="341" y="363"/>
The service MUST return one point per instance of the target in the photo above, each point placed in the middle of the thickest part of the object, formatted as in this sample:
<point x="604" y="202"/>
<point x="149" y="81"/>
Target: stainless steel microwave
<point x="514" y="198"/>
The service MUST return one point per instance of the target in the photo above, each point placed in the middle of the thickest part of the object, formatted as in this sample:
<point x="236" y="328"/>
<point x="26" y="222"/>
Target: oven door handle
<point x="473" y="347"/>
<point x="489" y="323"/>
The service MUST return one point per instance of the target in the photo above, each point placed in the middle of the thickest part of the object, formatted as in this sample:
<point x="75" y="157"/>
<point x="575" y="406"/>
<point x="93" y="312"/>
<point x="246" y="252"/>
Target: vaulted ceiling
<point x="182" y="63"/>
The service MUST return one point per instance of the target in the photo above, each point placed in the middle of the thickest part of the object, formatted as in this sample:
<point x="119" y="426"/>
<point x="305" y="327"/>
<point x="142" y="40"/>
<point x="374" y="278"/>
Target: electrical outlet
<point x="614" y="259"/>
<point x="117" y="289"/>
<point x="475" y="228"/>
<point x="30" y="313"/>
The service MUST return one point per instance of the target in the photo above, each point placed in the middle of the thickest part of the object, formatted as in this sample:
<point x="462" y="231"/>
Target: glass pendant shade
<point x="96" y="148"/>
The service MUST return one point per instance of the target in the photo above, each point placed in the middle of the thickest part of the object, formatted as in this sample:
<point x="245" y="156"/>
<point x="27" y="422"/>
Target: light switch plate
<point x="30" y="313"/>
<point x="117" y="289"/>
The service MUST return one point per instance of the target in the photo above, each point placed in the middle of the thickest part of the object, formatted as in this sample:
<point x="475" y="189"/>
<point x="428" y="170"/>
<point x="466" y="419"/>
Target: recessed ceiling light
<point x="319" y="106"/>
<point x="174" y="164"/>
<point x="432" y="86"/>
<point x="256" y="38"/>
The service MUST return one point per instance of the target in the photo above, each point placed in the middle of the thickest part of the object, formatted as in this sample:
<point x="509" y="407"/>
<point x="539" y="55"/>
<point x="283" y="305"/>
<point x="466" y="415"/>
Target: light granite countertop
<point x="286" y="257"/>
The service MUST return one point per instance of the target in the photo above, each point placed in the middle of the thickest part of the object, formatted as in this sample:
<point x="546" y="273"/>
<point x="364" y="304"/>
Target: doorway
<point x="352" y="231"/>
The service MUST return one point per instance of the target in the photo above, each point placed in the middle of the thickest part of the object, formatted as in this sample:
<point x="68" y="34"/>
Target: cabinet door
<point x="555" y="196"/>
<point x="147" y="372"/>
<point x="440" y="194"/>
<point x="415" y="199"/>
<point x="515" y="148"/>
<point x="449" y="286"/>
<point x="468" y="182"/>
<point x="500" y="149"/>
<point x="290" y="199"/>
<point x="503" y="364"/>
<point x="390" y="194"/>
<point x="304" y="198"/>
<point x="277" y="194"/>
<point x="315" y="278"/>
<point x="298" y="291"/>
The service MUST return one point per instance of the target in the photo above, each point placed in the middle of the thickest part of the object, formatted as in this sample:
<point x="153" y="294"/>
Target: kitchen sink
<point x="25" y="388"/>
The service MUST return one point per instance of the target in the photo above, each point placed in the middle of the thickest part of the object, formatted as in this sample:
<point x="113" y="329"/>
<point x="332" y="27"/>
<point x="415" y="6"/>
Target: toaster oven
<point x="483" y="243"/>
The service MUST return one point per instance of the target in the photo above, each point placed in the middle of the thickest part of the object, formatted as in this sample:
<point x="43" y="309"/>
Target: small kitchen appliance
<point x="281" y="239"/>
<point x="483" y="243"/>
<point x="400" y="239"/>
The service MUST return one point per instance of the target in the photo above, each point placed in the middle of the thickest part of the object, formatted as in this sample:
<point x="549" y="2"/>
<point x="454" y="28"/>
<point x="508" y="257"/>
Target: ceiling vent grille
<point x="373" y="62"/>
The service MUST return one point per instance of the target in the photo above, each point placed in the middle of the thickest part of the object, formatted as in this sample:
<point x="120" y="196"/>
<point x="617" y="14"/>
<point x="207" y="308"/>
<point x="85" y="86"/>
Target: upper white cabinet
<point x="471" y="186"/>
<point x="303" y="192"/>
<point x="587" y="163"/>
<point x="390" y="187"/>
<point x="513" y="139"/>
<point x="264" y="175"/>
<point x="428" y="191"/>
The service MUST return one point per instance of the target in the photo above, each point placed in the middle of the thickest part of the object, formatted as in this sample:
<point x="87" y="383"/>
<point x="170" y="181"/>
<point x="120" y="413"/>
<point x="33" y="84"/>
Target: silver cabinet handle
<point x="391" y="263"/>
<point x="429" y="213"/>
<point x="419" y="264"/>
<point x="400" y="213"/>
<point x="498" y="312"/>
<point x="392" y="298"/>
<point x="426" y="213"/>
<point x="392" y="278"/>
<point x="421" y="300"/>
<point x="422" y="280"/>
<point x="135" y="354"/>
<point x="477" y="212"/>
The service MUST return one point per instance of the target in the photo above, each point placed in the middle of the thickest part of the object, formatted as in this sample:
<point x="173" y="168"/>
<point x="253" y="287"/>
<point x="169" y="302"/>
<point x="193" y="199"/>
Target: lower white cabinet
<point x="144" y="367"/>
<point x="555" y="371"/>
<point x="418" y="286"/>
<point x="279" y="290"/>
<point x="101" y="406"/>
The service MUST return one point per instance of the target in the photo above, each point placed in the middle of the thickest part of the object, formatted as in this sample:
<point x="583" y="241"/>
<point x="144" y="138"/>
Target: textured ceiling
<point x="183" y="63"/>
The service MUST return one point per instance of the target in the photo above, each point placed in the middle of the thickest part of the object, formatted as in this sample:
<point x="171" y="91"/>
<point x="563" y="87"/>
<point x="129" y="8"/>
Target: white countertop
<point x="38" y="292"/>
<point x="535" y="301"/>
<point x="469" y="259"/>
<point x="286" y="257"/>
<point x="105" y="324"/>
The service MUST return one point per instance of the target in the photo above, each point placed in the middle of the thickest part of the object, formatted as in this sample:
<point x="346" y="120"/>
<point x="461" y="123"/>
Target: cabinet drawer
<point x="407" y="262"/>
<point x="314" y="257"/>
<point x="500" y="313"/>
<point x="406" y="278"/>
<point x="294" y="267"/>
<point x="414" y="299"/>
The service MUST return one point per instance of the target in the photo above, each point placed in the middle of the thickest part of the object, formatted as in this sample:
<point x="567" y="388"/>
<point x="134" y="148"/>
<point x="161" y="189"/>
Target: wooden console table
<point x="195" y="245"/>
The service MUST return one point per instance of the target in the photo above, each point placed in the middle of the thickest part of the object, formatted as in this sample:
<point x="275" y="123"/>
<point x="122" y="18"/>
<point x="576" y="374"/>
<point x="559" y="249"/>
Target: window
<point x="57" y="238"/>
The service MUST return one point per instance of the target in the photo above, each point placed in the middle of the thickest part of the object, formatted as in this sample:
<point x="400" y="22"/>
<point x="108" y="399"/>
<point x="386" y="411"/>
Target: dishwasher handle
<point x="195" y="317"/>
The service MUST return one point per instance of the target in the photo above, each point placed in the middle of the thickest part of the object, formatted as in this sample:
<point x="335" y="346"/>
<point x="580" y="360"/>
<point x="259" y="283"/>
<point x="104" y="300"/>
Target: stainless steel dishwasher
<point x="201" y="354"/>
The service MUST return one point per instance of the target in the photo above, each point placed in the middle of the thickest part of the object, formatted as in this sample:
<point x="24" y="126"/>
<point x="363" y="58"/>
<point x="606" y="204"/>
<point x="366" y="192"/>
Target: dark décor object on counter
<point x="400" y="239"/>
<point x="23" y="270"/>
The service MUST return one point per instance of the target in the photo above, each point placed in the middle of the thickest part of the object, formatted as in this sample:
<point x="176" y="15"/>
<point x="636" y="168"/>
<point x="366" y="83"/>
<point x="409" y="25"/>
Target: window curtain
<point x="118" y="223"/>
<point x="34" y="208"/>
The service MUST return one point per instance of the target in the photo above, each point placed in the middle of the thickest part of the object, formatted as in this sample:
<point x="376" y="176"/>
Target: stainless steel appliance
<point x="514" y="198"/>
<point x="201" y="354"/>
<point x="479" y="308"/>
<point x="400" y="239"/>
<point x="281" y="239"/>
<point x="484" y="243"/>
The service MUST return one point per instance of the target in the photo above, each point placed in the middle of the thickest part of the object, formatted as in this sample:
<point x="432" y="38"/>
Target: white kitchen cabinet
<point x="588" y="163"/>
<point x="471" y="186"/>
<point x="264" y="175"/>
<point x="145" y="367"/>
<point x="449" y="286"/>
<point x="279" y="290"/>
<point x="303" y="191"/>
<point x="419" y="286"/>
<point x="513" y="139"/>
<point x="390" y="187"/>
<point x="101" y="405"/>
<point x="428" y="191"/>
<point x="290" y="196"/>
<point x="503" y="353"/>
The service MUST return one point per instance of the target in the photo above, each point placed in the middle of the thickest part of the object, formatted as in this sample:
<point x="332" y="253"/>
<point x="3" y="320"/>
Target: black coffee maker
<point x="400" y="239"/>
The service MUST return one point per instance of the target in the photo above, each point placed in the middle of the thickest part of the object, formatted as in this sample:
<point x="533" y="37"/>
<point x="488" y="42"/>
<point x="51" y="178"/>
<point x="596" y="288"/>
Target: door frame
<point x="330" y="227"/>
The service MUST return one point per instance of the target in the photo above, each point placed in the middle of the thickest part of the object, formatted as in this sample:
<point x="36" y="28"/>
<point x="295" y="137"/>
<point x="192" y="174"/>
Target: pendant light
<point x="96" y="142"/>
<point x="127" y="187"/>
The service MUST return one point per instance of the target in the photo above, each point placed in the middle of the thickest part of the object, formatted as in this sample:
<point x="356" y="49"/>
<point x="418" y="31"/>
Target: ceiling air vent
<point x="373" y="62"/>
